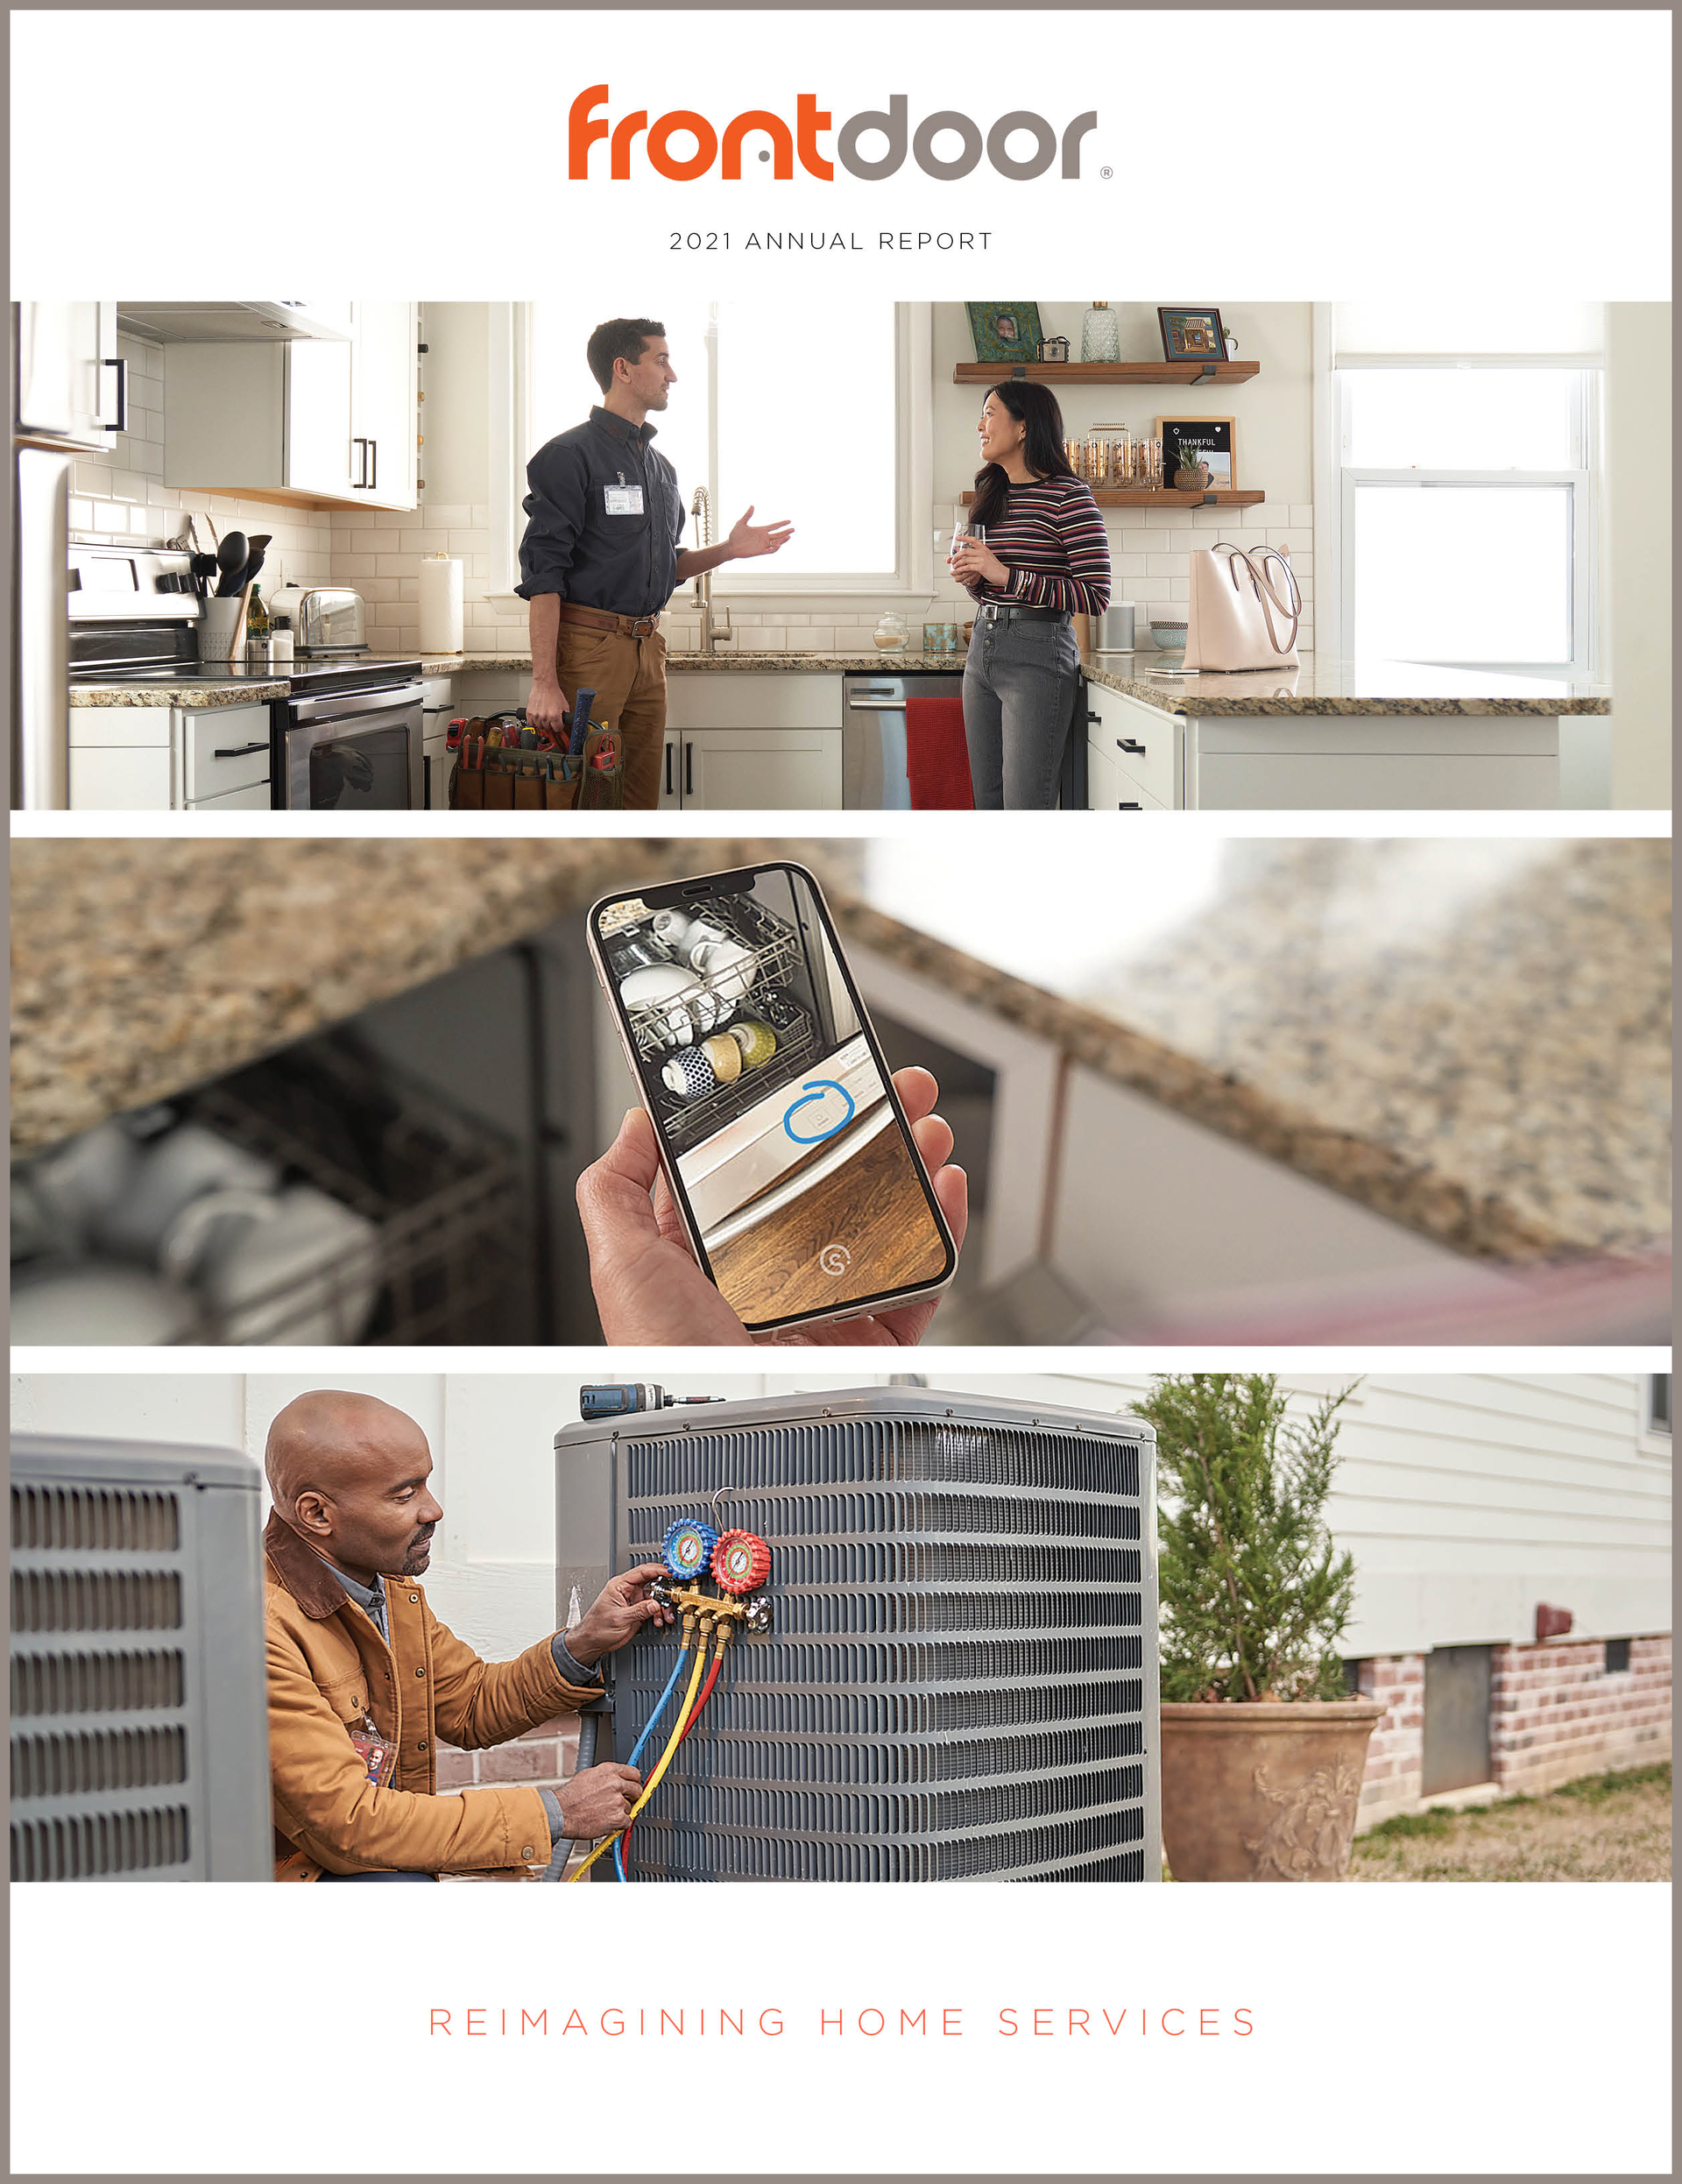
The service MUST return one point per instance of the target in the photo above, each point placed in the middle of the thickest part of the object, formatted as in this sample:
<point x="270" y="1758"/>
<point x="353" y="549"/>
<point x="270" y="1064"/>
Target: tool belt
<point x="500" y="775"/>
<point x="615" y="624"/>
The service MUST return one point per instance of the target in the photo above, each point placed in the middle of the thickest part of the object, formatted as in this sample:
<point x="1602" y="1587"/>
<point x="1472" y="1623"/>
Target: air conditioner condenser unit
<point x="139" y="1727"/>
<point x="959" y="1678"/>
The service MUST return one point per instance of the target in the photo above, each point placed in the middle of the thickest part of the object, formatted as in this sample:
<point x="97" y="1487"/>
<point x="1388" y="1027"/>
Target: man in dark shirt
<point x="600" y="557"/>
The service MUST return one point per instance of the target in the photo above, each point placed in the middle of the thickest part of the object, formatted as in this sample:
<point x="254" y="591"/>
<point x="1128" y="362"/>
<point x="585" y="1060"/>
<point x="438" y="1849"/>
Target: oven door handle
<point x="392" y="699"/>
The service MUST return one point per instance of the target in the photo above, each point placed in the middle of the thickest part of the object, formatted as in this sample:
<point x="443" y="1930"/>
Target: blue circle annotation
<point x="814" y="1090"/>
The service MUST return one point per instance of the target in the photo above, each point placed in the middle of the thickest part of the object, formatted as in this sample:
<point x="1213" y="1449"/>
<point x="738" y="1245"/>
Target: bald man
<point x="363" y="1679"/>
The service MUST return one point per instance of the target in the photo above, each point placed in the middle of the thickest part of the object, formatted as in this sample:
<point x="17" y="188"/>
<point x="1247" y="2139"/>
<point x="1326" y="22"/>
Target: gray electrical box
<point x="140" y="1730"/>
<point x="960" y="1679"/>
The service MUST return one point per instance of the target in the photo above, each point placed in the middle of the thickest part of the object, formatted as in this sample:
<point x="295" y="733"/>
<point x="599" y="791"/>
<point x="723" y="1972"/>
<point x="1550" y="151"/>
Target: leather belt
<point x="618" y="624"/>
<point x="995" y="610"/>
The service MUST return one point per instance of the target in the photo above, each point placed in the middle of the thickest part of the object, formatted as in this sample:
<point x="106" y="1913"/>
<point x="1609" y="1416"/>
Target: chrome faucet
<point x="712" y="634"/>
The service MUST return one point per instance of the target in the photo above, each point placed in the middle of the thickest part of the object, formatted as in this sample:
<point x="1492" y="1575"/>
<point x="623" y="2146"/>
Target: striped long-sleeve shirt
<point x="1051" y="538"/>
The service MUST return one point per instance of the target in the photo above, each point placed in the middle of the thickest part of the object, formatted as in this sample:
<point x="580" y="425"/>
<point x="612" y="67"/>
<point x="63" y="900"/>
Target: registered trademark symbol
<point x="1104" y="173"/>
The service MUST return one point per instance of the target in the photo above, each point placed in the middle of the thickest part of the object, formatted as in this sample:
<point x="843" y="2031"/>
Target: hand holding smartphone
<point x="787" y="1147"/>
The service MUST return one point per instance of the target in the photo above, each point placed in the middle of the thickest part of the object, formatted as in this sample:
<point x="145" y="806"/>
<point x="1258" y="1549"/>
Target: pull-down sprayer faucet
<point x="712" y="634"/>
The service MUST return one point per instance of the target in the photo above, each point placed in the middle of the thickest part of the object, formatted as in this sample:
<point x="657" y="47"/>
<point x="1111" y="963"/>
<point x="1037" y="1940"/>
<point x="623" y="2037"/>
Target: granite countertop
<point x="1469" y="1036"/>
<point x="1333" y="688"/>
<point x="199" y="697"/>
<point x="202" y="697"/>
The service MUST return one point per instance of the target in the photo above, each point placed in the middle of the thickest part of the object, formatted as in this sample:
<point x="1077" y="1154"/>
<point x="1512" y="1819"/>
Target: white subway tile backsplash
<point x="481" y="515"/>
<point x="422" y="542"/>
<point x="464" y="541"/>
<point x="447" y="516"/>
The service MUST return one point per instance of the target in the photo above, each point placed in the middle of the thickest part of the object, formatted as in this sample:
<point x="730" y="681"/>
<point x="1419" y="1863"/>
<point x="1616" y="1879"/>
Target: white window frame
<point x="913" y="574"/>
<point x="1580" y="481"/>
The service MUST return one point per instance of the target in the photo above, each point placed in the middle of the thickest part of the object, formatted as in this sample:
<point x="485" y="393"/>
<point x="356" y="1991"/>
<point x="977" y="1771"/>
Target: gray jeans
<point x="1020" y="686"/>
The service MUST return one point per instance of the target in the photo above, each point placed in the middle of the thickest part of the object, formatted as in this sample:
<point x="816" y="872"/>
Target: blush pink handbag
<point x="1238" y="618"/>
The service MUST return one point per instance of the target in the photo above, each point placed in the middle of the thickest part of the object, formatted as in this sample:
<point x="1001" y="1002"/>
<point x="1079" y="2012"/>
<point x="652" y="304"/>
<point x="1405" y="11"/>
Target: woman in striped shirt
<point x="1044" y="557"/>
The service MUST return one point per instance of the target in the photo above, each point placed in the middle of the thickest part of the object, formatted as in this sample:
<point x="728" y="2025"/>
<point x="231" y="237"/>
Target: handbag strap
<point x="1267" y="598"/>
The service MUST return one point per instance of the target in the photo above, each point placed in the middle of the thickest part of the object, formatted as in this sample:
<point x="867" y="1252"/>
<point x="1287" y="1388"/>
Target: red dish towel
<point x="936" y="756"/>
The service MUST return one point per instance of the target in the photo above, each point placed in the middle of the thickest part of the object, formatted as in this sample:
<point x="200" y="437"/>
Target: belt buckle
<point x="644" y="625"/>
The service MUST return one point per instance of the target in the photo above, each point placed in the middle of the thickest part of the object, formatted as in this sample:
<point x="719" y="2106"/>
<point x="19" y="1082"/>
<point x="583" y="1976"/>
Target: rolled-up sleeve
<point x="555" y="517"/>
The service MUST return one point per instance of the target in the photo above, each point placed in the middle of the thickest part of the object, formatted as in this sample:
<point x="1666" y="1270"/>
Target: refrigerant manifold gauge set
<point x="738" y="1563"/>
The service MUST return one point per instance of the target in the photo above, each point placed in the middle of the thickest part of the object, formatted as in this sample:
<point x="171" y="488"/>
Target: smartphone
<point x="788" y="1152"/>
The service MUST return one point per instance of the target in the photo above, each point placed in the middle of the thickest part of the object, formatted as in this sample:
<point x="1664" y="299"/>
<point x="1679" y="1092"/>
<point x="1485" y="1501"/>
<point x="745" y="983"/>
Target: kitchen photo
<point x="1133" y="556"/>
<point x="378" y="1093"/>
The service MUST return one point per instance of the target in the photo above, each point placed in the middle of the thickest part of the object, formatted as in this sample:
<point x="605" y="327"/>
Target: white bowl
<point x="659" y="987"/>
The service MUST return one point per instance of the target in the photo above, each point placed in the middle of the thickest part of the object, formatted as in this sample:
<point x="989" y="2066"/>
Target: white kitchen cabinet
<point x="68" y="386"/>
<point x="223" y="748"/>
<point x="760" y="769"/>
<point x="382" y="405"/>
<point x="310" y="420"/>
<point x="1138" y="756"/>
<point x="704" y="698"/>
<point x="1135" y="756"/>
<point x="161" y="758"/>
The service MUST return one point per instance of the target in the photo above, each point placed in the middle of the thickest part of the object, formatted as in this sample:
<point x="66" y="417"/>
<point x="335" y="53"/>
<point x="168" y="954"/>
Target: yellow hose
<point x="653" y="1782"/>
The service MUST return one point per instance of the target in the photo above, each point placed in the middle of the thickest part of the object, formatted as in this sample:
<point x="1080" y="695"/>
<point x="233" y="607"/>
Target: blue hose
<point x="638" y="1748"/>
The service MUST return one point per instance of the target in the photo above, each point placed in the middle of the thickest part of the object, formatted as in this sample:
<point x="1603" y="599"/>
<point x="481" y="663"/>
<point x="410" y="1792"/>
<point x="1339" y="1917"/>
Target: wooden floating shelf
<point x="1126" y="497"/>
<point x="1107" y="374"/>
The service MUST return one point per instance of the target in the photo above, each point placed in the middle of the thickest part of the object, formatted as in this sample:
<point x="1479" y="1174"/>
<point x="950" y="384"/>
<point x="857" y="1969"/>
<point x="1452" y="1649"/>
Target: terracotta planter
<point x="1263" y="1792"/>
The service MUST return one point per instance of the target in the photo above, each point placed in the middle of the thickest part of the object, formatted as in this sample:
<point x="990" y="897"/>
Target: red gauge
<point x="741" y="1562"/>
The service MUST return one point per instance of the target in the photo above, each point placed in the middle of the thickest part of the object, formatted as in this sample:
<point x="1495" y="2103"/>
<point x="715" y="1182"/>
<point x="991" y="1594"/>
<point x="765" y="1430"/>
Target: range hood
<point x="236" y="321"/>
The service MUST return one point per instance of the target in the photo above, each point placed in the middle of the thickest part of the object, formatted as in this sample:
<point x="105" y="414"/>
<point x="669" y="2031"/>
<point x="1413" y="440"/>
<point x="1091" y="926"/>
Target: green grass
<point x="1603" y="1827"/>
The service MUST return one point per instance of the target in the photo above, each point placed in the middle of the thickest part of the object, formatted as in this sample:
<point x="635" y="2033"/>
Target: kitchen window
<point x="1466" y="510"/>
<point x="781" y="404"/>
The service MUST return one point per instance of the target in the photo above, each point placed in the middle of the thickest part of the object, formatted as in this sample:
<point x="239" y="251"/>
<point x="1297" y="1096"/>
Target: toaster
<point x="325" y="618"/>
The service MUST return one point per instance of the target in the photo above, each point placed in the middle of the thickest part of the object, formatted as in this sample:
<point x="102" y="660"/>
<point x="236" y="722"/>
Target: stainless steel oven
<point x="358" y="750"/>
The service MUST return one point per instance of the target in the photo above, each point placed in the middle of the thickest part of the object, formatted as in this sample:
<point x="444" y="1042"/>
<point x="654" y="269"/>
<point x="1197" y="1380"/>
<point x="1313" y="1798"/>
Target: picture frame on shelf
<point x="1191" y="334"/>
<point x="1005" y="333"/>
<point x="1211" y="440"/>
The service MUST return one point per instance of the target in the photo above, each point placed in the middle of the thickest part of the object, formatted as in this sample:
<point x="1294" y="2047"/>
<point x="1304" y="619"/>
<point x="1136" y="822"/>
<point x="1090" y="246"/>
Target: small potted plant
<point x="1192" y="477"/>
<point x="1263" y="1750"/>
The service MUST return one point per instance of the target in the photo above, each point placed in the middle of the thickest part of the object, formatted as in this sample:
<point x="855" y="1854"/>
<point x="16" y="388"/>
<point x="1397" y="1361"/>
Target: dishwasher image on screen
<point x="788" y="1152"/>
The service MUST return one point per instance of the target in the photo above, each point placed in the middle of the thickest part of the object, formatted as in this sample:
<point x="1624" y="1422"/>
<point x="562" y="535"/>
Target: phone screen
<point x="785" y="1144"/>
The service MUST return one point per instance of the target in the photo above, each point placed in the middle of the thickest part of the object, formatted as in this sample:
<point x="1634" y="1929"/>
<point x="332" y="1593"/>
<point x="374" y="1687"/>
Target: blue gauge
<point x="828" y="1109"/>
<point x="687" y="1548"/>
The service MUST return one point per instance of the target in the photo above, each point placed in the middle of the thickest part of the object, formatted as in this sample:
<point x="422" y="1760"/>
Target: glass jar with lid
<point x="892" y="633"/>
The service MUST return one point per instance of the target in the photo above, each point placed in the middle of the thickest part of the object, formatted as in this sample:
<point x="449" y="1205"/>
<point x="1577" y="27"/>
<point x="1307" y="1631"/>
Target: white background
<point x="1299" y="153"/>
<point x="1319" y="155"/>
<point x="1405" y="2029"/>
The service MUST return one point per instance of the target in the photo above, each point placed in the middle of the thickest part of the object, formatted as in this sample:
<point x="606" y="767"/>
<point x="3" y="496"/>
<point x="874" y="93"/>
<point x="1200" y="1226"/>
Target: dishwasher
<point x="873" y="740"/>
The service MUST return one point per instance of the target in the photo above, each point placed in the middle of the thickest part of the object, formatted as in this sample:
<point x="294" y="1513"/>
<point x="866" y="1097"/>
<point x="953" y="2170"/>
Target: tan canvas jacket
<point x="329" y="1667"/>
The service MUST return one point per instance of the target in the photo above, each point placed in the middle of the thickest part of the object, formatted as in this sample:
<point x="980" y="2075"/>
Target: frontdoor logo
<point x="782" y="144"/>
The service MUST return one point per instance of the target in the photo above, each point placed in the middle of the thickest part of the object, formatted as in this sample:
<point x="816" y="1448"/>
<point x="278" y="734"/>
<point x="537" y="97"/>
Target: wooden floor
<point x="871" y="1205"/>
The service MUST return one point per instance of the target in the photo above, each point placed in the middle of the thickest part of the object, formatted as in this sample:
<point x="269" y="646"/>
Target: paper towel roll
<point x="441" y="603"/>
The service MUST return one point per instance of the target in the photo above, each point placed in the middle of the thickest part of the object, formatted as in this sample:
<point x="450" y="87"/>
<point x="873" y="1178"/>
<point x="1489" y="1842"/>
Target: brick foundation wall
<point x="1393" y="1757"/>
<point x="1556" y="1714"/>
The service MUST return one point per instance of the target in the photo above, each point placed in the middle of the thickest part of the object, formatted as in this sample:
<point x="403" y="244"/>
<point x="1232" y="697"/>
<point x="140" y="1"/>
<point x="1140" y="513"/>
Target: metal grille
<point x="955" y="1686"/>
<point x="113" y="1721"/>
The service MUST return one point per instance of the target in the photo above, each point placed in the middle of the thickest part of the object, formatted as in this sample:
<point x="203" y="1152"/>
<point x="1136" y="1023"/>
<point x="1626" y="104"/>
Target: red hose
<point x="695" y="1715"/>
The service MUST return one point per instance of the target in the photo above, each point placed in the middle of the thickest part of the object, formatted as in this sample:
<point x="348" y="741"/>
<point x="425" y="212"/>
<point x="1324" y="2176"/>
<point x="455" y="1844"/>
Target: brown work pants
<point x="628" y="676"/>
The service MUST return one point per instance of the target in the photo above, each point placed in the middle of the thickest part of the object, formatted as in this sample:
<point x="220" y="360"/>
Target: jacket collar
<point x="621" y="427"/>
<point x="302" y="1572"/>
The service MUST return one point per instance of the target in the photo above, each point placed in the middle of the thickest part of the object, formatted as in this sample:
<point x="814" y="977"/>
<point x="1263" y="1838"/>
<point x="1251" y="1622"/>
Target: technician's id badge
<point x="623" y="500"/>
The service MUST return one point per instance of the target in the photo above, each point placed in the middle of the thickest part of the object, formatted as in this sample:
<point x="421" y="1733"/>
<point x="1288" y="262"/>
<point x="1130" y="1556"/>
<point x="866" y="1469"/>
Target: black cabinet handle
<point x="1096" y="719"/>
<point x="244" y="751"/>
<point x="121" y="366"/>
<point x="668" y="769"/>
<point x="426" y="782"/>
<point x="361" y="478"/>
<point x="1129" y="807"/>
<point x="1127" y="743"/>
<point x="688" y="767"/>
<point x="373" y="466"/>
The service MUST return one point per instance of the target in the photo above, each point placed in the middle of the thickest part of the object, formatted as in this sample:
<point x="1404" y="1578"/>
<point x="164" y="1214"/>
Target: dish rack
<point x="779" y="962"/>
<point x="448" y="1193"/>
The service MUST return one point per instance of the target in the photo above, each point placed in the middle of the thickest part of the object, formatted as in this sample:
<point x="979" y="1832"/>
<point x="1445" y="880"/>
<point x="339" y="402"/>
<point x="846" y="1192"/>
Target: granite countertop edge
<point x="88" y="1064"/>
<point x="1175" y="697"/>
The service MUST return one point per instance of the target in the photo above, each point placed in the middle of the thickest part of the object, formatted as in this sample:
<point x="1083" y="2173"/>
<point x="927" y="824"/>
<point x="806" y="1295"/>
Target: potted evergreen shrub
<point x="1262" y="1752"/>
